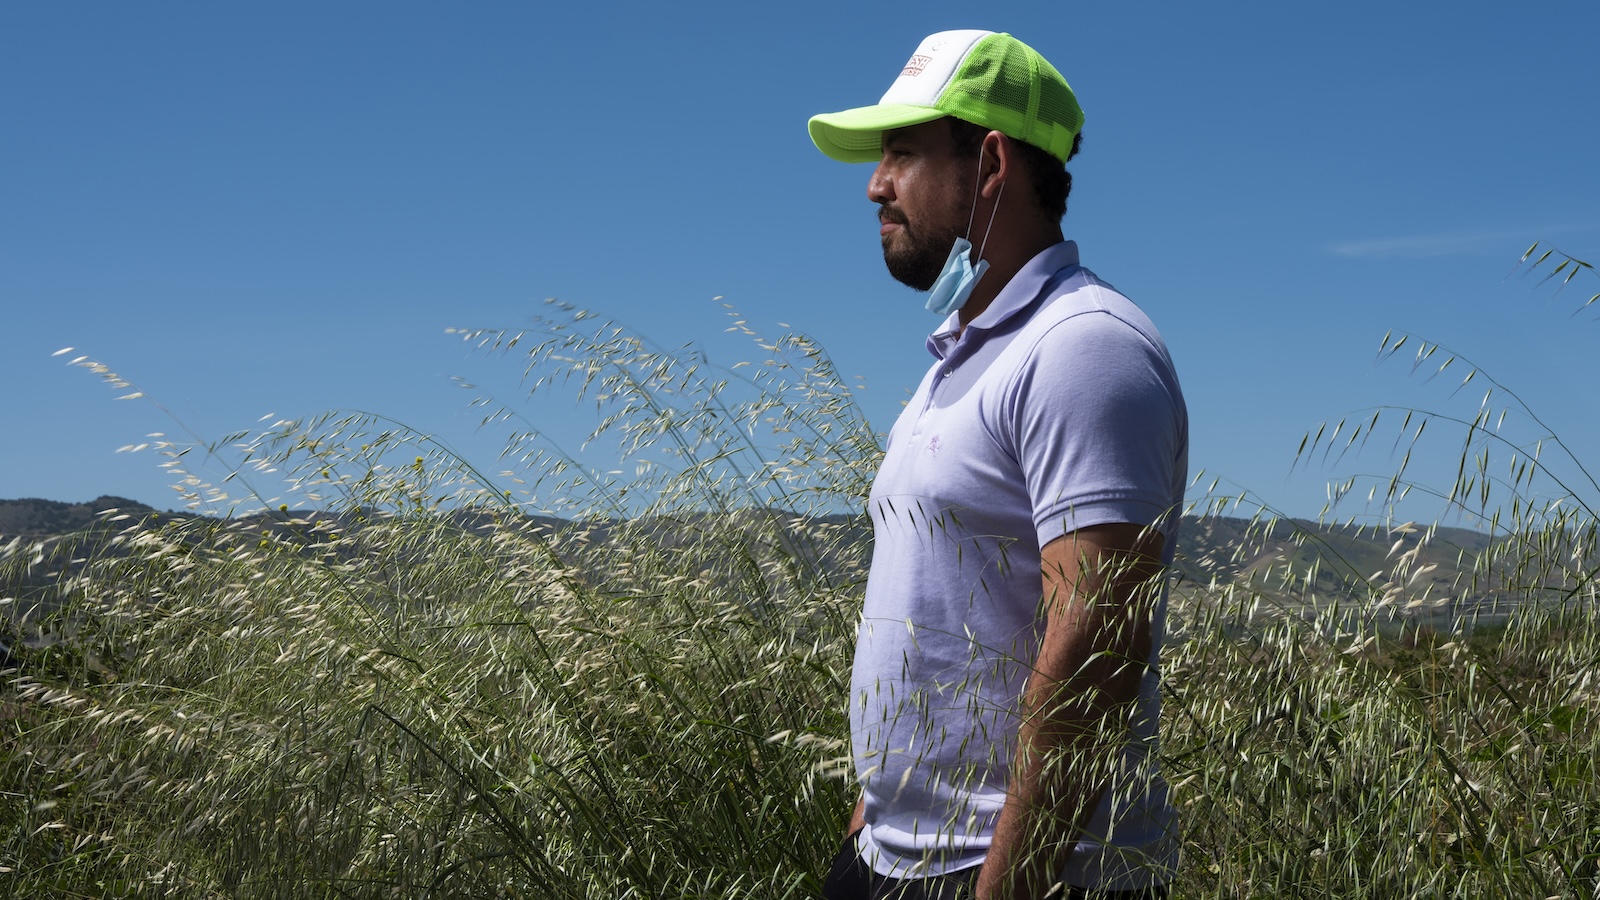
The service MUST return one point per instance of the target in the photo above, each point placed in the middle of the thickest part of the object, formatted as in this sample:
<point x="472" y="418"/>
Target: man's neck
<point x="1003" y="266"/>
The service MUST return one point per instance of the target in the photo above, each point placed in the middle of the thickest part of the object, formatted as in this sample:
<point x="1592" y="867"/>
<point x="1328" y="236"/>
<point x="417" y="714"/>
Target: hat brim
<point x="856" y="135"/>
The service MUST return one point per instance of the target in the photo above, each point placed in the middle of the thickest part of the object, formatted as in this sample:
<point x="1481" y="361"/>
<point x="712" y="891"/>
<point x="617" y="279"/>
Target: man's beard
<point x="917" y="256"/>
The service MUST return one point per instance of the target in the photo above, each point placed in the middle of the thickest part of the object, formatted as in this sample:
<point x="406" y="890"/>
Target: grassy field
<point x="406" y="700"/>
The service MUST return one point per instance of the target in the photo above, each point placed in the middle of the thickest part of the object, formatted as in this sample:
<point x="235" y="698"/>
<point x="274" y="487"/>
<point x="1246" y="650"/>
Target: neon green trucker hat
<point x="988" y="79"/>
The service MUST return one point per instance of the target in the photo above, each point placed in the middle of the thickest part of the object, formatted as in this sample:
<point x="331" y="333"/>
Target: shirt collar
<point x="1018" y="294"/>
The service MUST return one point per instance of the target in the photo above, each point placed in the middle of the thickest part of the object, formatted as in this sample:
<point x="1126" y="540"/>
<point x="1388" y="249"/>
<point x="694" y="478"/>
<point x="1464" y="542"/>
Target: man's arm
<point x="1099" y="588"/>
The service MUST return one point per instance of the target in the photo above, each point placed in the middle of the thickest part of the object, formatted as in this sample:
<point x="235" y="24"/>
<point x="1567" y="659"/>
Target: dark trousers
<point x="851" y="878"/>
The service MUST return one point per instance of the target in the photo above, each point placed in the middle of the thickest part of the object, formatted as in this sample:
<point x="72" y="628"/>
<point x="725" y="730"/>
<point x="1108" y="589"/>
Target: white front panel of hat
<point x="930" y="69"/>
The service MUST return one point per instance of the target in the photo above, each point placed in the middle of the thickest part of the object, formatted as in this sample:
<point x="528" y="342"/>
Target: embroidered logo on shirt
<point x="933" y="445"/>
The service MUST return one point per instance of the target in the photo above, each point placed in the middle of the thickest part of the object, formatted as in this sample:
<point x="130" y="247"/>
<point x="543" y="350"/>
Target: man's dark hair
<point x="1051" y="180"/>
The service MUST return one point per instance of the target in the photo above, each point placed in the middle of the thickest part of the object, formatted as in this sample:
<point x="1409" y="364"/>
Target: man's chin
<point x="916" y="284"/>
<point x="910" y="275"/>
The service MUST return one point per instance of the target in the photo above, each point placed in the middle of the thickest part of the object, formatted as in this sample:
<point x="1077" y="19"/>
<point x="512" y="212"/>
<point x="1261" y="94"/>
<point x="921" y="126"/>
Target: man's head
<point x="928" y="135"/>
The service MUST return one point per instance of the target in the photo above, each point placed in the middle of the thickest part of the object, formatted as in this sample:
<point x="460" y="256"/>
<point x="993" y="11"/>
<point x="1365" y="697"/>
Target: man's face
<point x="924" y="191"/>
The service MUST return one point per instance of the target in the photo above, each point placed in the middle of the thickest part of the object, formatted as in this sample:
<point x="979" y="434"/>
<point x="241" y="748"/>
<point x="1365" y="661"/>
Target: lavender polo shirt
<point x="1056" y="409"/>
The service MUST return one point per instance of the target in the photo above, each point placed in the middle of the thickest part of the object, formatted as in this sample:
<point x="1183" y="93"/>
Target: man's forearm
<point x="1073" y="717"/>
<point x="1056" y="784"/>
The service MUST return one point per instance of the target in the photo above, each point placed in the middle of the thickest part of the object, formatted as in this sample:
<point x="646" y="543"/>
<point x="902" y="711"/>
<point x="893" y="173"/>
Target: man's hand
<point x="1099" y="590"/>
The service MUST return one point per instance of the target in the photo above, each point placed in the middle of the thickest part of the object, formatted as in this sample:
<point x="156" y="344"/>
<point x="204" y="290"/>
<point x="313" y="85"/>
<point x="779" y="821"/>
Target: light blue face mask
<point x="956" y="281"/>
<point x="959" y="276"/>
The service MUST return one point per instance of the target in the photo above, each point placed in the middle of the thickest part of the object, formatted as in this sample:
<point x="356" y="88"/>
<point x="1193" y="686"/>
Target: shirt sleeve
<point x="1098" y="427"/>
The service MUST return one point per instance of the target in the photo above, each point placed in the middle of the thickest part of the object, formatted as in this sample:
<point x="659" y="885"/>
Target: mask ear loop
<point x="973" y="209"/>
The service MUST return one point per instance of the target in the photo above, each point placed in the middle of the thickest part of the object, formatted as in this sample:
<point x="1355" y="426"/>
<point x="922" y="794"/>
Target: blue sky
<point x="278" y="209"/>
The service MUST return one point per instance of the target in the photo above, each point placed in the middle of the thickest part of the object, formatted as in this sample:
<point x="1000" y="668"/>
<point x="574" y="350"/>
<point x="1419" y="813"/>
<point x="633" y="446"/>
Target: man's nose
<point x="880" y="188"/>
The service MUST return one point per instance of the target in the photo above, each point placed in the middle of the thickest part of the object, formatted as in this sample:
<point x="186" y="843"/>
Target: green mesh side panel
<point x="993" y="90"/>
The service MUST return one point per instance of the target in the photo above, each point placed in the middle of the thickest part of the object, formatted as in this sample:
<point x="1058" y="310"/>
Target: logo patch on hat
<point x="916" y="64"/>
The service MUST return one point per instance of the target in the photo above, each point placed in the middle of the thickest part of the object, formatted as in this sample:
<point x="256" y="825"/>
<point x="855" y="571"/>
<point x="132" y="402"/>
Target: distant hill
<point x="32" y="517"/>
<point x="1326" y="560"/>
<point x="1234" y="550"/>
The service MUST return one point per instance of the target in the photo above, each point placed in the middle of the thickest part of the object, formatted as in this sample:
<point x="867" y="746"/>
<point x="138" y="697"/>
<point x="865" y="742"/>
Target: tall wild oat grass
<point x="433" y="687"/>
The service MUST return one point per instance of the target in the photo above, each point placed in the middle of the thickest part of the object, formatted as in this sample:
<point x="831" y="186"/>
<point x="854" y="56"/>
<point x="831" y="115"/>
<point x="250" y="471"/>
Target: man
<point x="1003" y="701"/>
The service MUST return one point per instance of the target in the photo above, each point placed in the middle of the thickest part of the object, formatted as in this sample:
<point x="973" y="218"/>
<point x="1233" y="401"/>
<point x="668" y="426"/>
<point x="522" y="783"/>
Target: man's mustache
<point x="892" y="215"/>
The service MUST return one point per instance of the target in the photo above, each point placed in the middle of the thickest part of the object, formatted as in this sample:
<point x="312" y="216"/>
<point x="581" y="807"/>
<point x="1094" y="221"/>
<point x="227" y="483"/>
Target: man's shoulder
<point x="1078" y="299"/>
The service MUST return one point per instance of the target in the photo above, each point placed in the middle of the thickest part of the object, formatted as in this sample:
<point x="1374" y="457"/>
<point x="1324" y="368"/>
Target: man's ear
<point x="998" y="164"/>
